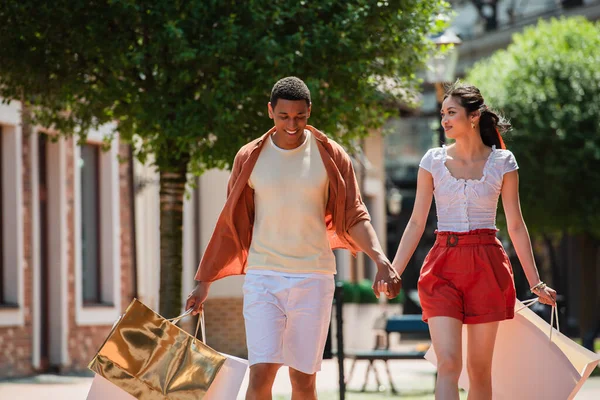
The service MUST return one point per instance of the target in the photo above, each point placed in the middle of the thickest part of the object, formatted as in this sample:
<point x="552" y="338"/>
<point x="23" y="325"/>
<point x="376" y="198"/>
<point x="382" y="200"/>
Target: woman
<point x="466" y="277"/>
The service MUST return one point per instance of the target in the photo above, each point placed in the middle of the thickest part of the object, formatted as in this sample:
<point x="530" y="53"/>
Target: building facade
<point x="67" y="266"/>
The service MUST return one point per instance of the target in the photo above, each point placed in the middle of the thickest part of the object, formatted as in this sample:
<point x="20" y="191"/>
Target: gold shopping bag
<point x="151" y="358"/>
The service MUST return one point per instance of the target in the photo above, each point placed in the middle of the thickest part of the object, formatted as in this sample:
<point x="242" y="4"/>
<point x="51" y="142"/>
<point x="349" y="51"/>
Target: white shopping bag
<point x="102" y="389"/>
<point x="532" y="360"/>
<point x="228" y="381"/>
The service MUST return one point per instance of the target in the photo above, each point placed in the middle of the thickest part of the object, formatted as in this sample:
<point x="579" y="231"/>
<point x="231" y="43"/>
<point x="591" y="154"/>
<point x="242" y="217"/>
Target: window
<point x="11" y="216"/>
<point x="89" y="165"/>
<point x="97" y="230"/>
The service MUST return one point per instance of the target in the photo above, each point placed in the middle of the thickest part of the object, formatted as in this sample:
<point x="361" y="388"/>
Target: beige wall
<point x="147" y="225"/>
<point x="375" y="185"/>
<point x="373" y="193"/>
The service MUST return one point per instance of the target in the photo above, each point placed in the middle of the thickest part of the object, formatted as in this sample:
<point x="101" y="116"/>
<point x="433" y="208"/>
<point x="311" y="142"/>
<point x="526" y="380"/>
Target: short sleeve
<point x="427" y="160"/>
<point x="510" y="162"/>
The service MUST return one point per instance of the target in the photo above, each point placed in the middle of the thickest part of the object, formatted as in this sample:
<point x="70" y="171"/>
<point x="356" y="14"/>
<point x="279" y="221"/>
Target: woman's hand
<point x="546" y="294"/>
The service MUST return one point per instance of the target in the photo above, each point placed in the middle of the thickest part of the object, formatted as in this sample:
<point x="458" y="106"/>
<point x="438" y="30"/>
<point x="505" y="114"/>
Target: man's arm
<point x="387" y="279"/>
<point x="365" y="237"/>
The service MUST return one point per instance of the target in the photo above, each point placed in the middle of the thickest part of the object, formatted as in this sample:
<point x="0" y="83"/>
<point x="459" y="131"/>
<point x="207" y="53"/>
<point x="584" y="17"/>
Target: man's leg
<point x="304" y="386"/>
<point x="309" y="315"/>
<point x="265" y="325"/>
<point x="261" y="380"/>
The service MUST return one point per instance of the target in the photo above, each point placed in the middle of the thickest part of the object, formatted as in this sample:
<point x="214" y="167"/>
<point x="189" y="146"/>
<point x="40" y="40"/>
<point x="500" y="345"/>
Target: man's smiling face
<point x="290" y="117"/>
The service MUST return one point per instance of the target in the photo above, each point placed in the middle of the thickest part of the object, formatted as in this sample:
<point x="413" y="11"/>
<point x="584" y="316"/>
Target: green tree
<point x="548" y="83"/>
<point x="188" y="81"/>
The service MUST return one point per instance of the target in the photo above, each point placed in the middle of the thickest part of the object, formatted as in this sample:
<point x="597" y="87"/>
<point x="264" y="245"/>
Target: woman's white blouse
<point x="463" y="205"/>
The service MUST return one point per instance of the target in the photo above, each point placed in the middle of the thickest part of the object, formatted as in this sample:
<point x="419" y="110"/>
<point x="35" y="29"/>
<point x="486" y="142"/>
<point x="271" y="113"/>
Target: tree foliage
<point x="192" y="78"/>
<point x="189" y="81"/>
<point x="548" y="83"/>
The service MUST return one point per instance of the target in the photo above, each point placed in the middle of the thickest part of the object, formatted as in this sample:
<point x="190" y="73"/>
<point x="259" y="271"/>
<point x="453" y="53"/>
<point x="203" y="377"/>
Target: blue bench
<point x="405" y="324"/>
<point x="394" y="324"/>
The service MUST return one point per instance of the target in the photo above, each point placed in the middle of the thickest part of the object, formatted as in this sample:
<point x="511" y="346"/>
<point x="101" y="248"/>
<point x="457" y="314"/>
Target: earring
<point x="472" y="125"/>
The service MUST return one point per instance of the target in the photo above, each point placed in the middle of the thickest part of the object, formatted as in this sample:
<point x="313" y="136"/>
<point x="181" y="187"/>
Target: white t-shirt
<point x="463" y="205"/>
<point x="291" y="190"/>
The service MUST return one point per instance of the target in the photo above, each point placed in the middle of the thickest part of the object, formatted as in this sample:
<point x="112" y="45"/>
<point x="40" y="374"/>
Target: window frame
<point x="13" y="301"/>
<point x="110" y="236"/>
<point x="98" y="184"/>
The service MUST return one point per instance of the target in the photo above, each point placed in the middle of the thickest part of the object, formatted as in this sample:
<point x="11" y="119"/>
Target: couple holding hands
<point x="293" y="197"/>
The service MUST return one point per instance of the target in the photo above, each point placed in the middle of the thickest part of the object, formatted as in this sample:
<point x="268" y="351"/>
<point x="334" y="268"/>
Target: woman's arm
<point x="517" y="230"/>
<point x="416" y="225"/>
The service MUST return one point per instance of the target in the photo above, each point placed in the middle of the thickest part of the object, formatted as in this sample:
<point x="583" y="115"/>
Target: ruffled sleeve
<point x="510" y="162"/>
<point x="427" y="161"/>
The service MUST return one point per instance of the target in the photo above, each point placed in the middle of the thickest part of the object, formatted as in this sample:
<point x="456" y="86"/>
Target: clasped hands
<point x="387" y="280"/>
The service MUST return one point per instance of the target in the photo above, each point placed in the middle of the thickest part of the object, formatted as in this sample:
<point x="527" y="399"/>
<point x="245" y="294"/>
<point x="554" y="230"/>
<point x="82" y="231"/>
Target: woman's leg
<point x="480" y="350"/>
<point x="446" y="336"/>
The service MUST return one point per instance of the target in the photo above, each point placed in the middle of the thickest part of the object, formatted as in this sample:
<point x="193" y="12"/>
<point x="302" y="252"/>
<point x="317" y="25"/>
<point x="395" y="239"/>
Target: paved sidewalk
<point x="413" y="379"/>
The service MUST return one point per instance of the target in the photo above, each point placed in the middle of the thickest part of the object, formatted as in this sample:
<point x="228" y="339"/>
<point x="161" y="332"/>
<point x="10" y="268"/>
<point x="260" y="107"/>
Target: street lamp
<point x="441" y="67"/>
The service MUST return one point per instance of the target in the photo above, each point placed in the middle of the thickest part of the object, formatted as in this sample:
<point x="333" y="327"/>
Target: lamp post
<point x="441" y="68"/>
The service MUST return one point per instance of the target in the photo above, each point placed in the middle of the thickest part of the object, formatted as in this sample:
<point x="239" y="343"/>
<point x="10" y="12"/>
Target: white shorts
<point x="287" y="318"/>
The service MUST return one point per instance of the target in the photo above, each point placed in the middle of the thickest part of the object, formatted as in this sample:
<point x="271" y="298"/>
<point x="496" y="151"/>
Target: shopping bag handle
<point x="199" y="325"/>
<point x="530" y="302"/>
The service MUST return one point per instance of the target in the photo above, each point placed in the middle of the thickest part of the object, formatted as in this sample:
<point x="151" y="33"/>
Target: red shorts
<point x="467" y="276"/>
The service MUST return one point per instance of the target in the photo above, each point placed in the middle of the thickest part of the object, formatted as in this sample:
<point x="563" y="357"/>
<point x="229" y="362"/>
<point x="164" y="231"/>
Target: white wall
<point x="147" y="234"/>
<point x="213" y="189"/>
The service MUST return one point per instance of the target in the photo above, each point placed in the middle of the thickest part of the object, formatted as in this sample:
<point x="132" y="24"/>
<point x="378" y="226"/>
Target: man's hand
<point x="197" y="297"/>
<point x="387" y="280"/>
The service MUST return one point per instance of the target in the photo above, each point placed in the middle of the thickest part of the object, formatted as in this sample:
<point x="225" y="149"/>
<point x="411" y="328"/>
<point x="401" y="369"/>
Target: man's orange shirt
<point x="227" y="250"/>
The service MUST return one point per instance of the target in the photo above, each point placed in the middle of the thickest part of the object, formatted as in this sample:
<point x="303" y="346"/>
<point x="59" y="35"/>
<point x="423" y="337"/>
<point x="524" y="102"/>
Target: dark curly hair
<point x="491" y="124"/>
<point x="290" y="88"/>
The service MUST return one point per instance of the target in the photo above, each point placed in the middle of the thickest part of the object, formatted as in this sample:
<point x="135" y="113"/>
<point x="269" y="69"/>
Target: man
<point x="292" y="198"/>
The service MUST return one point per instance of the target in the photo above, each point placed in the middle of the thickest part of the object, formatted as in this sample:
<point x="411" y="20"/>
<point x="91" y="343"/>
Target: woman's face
<point x="455" y="120"/>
